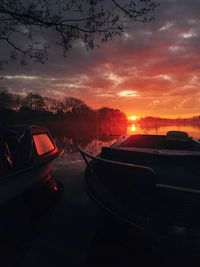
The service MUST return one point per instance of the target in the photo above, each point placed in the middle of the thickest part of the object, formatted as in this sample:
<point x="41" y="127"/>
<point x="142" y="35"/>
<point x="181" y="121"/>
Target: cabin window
<point x="43" y="144"/>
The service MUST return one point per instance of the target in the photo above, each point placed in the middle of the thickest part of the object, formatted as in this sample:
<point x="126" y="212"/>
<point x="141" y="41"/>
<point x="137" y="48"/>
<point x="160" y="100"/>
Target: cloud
<point x="167" y="26"/>
<point x="127" y="93"/>
<point x="160" y="59"/>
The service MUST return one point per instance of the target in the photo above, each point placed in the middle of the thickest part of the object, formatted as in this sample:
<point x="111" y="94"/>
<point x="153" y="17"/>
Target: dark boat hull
<point x="26" y="155"/>
<point x="164" y="212"/>
<point x="154" y="229"/>
<point x="17" y="184"/>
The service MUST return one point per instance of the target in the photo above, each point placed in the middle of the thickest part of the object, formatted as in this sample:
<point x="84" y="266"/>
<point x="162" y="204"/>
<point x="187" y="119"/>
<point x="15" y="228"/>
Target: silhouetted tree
<point x="113" y="117"/>
<point x="110" y="113"/>
<point x="53" y="105"/>
<point x="24" y="24"/>
<point x="17" y="102"/>
<point x="34" y="102"/>
<point x="74" y="105"/>
<point x="60" y="116"/>
<point x="6" y="99"/>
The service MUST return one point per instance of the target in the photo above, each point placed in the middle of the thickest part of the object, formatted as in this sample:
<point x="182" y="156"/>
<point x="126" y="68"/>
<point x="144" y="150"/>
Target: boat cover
<point x="17" y="149"/>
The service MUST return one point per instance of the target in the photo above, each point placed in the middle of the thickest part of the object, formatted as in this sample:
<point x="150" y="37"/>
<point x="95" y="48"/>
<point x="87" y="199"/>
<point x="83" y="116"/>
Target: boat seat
<point x="178" y="135"/>
<point x="177" y="140"/>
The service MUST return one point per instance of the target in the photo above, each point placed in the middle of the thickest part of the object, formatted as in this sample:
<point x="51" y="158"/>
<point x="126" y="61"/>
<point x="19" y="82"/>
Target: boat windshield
<point x="43" y="144"/>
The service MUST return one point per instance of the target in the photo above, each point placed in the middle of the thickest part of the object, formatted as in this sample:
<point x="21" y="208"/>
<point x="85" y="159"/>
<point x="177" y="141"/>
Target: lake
<point x="93" y="141"/>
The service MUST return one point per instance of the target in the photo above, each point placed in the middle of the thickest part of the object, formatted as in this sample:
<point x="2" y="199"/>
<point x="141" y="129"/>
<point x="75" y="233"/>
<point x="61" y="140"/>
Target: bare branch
<point x="88" y="21"/>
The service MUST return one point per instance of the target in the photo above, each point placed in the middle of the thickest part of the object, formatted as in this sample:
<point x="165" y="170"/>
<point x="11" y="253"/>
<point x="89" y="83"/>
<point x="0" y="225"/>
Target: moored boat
<point x="26" y="155"/>
<point x="151" y="182"/>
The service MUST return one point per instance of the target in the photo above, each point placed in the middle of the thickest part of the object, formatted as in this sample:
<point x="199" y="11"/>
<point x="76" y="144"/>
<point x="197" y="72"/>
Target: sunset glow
<point x="152" y="70"/>
<point x="133" y="118"/>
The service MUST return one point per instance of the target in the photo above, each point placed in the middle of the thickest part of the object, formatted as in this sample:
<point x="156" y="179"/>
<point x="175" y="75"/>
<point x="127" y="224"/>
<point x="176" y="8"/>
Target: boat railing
<point x="178" y="189"/>
<point x="127" y="183"/>
<point x="88" y="157"/>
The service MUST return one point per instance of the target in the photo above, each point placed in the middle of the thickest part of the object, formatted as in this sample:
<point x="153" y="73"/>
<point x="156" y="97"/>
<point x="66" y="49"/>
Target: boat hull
<point x="130" y="193"/>
<point x="17" y="183"/>
<point x="152" y="228"/>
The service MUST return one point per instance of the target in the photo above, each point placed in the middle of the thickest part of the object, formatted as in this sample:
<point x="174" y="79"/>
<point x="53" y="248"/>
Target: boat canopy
<point x="20" y="146"/>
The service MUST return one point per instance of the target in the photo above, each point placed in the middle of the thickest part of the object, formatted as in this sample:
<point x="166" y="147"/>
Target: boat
<point x="150" y="182"/>
<point x="26" y="155"/>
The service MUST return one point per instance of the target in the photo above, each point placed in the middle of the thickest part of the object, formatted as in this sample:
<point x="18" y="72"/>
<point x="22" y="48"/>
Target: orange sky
<point x="153" y="70"/>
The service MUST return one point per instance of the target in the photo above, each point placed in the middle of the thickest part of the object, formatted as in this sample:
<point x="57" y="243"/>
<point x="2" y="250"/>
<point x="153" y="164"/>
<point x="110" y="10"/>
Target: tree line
<point x="157" y="121"/>
<point x="36" y="109"/>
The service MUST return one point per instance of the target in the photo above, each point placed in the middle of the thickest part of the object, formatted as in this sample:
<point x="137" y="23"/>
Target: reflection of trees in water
<point x="196" y="126"/>
<point x="156" y="128"/>
<point x="93" y="138"/>
<point x="90" y="139"/>
<point x="191" y="129"/>
<point x="70" y="143"/>
<point x="91" y="142"/>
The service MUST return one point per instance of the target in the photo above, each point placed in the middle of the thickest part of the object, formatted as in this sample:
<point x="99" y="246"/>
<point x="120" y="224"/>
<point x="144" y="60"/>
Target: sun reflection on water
<point x="133" y="128"/>
<point x="93" y="144"/>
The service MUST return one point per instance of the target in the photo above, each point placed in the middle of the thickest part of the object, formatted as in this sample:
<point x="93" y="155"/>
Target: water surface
<point x="93" y="141"/>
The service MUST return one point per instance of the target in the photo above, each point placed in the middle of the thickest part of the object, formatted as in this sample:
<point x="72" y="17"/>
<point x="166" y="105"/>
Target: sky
<point x="152" y="70"/>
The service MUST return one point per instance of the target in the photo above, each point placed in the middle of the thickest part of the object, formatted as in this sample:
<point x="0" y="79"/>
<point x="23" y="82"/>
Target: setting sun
<point x="133" y="118"/>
